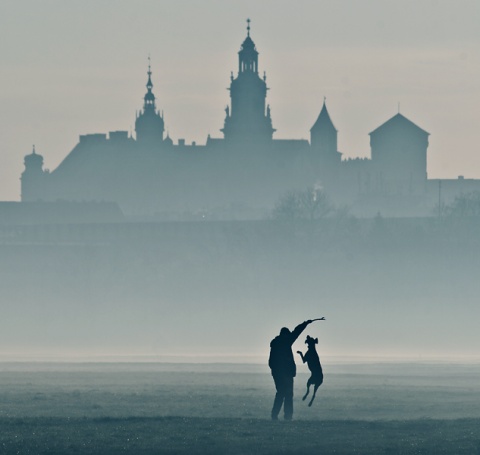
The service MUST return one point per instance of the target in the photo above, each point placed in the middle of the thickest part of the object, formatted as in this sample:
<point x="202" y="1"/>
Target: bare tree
<point x="310" y="204"/>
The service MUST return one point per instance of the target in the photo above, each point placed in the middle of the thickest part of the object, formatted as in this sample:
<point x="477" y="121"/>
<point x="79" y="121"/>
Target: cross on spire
<point x="248" y="26"/>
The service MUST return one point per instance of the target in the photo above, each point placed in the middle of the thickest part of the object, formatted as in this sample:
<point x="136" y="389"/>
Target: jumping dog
<point x="313" y="362"/>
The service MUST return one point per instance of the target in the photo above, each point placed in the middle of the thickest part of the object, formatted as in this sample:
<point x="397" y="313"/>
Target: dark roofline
<point x="393" y="119"/>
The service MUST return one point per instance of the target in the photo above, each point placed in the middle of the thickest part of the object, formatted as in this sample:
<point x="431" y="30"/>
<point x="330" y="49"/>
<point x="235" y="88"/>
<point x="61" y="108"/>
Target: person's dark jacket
<point x="281" y="360"/>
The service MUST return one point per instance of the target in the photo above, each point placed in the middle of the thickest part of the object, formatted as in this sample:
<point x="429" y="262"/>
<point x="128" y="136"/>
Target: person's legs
<point x="279" y="396"/>
<point x="288" y="393"/>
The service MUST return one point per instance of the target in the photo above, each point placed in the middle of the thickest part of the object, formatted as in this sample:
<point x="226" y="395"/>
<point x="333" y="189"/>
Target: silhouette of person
<point x="283" y="368"/>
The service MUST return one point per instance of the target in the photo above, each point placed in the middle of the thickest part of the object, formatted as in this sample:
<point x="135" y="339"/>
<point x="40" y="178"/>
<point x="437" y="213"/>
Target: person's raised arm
<point x="301" y="327"/>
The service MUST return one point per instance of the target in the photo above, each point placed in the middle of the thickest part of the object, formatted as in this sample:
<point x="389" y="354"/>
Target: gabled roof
<point x="323" y="120"/>
<point x="399" y="120"/>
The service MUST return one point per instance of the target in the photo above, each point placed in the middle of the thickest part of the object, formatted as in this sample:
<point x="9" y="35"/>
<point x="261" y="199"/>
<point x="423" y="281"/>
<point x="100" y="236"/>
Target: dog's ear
<point x="316" y="340"/>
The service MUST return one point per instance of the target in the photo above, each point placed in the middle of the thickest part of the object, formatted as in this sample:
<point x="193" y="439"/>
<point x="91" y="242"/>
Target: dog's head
<point x="311" y="341"/>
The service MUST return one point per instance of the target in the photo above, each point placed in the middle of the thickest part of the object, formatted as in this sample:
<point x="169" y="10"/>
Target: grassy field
<point x="196" y="435"/>
<point x="224" y="409"/>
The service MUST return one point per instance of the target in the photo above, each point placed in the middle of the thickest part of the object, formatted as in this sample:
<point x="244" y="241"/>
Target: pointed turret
<point x="323" y="136"/>
<point x="324" y="122"/>
<point x="149" y="125"/>
<point x="248" y="119"/>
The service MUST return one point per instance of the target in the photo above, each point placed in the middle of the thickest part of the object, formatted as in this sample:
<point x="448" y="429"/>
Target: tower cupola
<point x="34" y="161"/>
<point x="248" y="55"/>
<point x="33" y="177"/>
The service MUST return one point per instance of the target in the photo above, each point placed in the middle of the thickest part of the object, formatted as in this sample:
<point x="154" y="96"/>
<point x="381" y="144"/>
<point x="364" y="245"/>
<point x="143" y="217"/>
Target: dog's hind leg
<point x="314" y="393"/>
<point x="309" y="383"/>
<point x="306" y="395"/>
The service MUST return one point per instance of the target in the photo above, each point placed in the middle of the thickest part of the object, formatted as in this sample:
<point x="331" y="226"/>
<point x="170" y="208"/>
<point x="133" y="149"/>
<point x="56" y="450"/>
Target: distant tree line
<point x="464" y="205"/>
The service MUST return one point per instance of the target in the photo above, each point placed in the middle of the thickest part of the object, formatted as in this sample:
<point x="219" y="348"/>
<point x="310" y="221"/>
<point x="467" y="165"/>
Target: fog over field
<point x="368" y="392"/>
<point x="222" y="290"/>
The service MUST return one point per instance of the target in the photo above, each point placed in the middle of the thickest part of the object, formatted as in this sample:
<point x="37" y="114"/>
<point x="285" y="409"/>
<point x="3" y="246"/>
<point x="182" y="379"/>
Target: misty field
<point x="217" y="408"/>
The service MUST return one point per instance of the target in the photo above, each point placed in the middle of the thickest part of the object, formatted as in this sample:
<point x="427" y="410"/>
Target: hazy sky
<point x="77" y="67"/>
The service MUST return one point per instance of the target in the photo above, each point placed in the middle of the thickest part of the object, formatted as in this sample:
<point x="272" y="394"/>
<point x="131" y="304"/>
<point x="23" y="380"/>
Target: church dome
<point x="33" y="160"/>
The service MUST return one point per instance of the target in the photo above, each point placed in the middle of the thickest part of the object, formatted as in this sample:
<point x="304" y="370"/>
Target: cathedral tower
<point x="149" y="124"/>
<point x="248" y="119"/>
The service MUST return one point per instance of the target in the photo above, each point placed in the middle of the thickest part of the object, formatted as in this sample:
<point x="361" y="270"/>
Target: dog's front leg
<point x="302" y="356"/>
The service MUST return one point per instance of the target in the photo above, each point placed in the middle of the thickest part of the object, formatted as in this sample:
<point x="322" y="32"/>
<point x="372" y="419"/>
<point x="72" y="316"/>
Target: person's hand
<point x="309" y="321"/>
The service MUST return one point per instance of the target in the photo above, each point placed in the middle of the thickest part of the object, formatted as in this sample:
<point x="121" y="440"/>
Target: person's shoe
<point x="288" y="418"/>
<point x="274" y="418"/>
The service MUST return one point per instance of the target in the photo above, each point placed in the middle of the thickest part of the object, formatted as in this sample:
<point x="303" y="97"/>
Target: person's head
<point x="285" y="332"/>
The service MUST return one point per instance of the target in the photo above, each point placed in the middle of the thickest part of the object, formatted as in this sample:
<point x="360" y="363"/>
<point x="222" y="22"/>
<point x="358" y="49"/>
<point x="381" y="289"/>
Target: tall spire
<point x="149" y="97"/>
<point x="248" y="26"/>
<point x="149" y="124"/>
<point x="149" y="72"/>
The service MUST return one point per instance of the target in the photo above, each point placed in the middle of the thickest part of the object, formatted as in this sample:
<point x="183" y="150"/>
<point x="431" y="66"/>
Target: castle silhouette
<point x="243" y="174"/>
